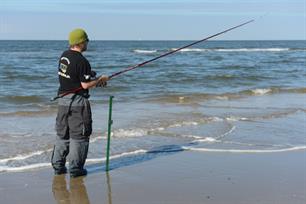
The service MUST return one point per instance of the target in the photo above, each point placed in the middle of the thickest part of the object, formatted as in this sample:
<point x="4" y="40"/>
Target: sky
<point x="152" y="19"/>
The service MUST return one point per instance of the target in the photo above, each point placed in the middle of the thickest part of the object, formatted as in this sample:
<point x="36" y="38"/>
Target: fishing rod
<point x="176" y="50"/>
<point x="158" y="57"/>
<point x="67" y="93"/>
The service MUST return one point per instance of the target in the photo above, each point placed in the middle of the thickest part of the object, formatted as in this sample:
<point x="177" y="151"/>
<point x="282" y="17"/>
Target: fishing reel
<point x="93" y="76"/>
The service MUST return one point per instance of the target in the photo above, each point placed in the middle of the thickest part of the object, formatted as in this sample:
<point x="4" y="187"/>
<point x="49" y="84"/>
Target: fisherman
<point x="74" y="121"/>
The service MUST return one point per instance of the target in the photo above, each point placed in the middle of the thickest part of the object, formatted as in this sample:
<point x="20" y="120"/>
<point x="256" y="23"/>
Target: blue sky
<point x="153" y="19"/>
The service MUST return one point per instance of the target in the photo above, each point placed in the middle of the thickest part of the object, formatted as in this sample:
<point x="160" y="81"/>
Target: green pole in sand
<point x="110" y="122"/>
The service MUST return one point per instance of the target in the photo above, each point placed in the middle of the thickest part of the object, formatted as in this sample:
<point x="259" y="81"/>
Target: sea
<point x="236" y="97"/>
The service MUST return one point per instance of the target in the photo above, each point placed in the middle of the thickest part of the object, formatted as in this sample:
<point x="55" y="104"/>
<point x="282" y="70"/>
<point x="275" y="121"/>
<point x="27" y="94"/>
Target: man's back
<point x="72" y="70"/>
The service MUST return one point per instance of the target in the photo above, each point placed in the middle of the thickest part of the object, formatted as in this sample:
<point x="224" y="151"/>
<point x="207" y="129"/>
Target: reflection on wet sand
<point x="77" y="193"/>
<point x="109" y="188"/>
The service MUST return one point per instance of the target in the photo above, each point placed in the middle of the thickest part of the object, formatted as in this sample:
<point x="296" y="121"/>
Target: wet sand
<point x="180" y="177"/>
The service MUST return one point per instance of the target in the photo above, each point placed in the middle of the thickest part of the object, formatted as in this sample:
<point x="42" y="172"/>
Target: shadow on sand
<point x="76" y="192"/>
<point x="135" y="159"/>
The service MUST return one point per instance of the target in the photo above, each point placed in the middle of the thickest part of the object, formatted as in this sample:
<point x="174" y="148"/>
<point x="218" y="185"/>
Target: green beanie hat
<point x="77" y="36"/>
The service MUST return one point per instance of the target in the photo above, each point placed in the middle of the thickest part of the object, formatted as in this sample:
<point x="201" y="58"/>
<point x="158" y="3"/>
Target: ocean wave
<point x="233" y="49"/>
<point x="193" y="98"/>
<point x="298" y="49"/>
<point x="138" y="132"/>
<point x="181" y="99"/>
<point x="124" y="154"/>
<point x="236" y="77"/>
<point x="236" y="118"/>
<point x="301" y="90"/>
<point x="22" y="99"/>
<point x="119" y="133"/>
<point x="296" y="148"/>
<point x="273" y="90"/>
<point x="253" y="145"/>
<point x="22" y="156"/>
<point x="198" y="97"/>
<point x="29" y="113"/>
<point x="145" y="51"/>
<point x="276" y="114"/>
<point x="227" y="133"/>
<point x="191" y="50"/>
<point x="184" y="123"/>
<point x="6" y="168"/>
<point x="259" y="92"/>
<point x="24" y="168"/>
<point x="27" y="167"/>
<point x="253" y="50"/>
<point x="205" y="139"/>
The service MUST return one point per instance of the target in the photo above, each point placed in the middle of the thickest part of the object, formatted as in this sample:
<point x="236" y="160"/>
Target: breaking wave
<point x="145" y="51"/>
<point x="192" y="98"/>
<point x="296" y="148"/>
<point x="43" y="165"/>
<point x="272" y="49"/>
<point x="276" y="49"/>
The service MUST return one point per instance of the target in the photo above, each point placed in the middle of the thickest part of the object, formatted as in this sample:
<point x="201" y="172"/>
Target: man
<point x="73" y="121"/>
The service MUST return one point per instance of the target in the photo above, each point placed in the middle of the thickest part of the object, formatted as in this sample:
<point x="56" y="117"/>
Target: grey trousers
<point x="73" y="127"/>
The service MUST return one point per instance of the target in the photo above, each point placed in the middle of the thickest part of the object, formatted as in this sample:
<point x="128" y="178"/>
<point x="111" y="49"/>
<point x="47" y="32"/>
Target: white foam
<point x="222" y="98"/>
<point x="216" y="119"/>
<point x="142" y="151"/>
<point x="18" y="135"/>
<point x="140" y="132"/>
<point x="159" y="128"/>
<point x="92" y="140"/>
<point x="130" y="133"/>
<point x="234" y="49"/>
<point x="206" y="139"/>
<point x="253" y="50"/>
<point x="124" y="154"/>
<point x="192" y="50"/>
<point x="42" y="165"/>
<point x="185" y="123"/>
<point x="246" y="150"/>
<point x="190" y="123"/>
<point x="24" y="168"/>
<point x="23" y="156"/>
<point x="260" y="92"/>
<point x="254" y="145"/>
<point x="235" y="118"/>
<point x="227" y="133"/>
<point x="145" y="51"/>
<point x="191" y="136"/>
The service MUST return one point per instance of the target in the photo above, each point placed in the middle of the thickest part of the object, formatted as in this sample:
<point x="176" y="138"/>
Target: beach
<point x="221" y="122"/>
<point x="178" y="177"/>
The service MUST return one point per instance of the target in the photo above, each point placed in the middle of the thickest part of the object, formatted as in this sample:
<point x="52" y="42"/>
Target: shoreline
<point x="177" y="177"/>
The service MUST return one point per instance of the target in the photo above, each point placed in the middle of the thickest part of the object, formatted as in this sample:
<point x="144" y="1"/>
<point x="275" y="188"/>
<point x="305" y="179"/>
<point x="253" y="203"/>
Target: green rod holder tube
<point x="110" y="122"/>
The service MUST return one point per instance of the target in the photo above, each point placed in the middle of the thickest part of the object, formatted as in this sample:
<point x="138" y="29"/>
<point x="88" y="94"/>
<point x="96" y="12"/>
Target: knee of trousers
<point x="78" y="153"/>
<point x="59" y="154"/>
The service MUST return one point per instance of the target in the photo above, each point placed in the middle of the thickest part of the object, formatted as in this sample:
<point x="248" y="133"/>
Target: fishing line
<point x="176" y="50"/>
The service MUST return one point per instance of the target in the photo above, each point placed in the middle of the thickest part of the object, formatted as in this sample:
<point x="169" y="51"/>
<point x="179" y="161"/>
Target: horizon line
<point x="156" y="40"/>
